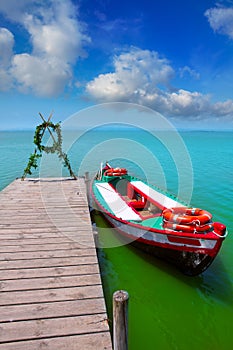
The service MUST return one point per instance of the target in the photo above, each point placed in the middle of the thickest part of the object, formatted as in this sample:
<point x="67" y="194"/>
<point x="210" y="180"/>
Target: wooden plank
<point x="40" y="329"/>
<point x="52" y="229"/>
<point x="45" y="220"/>
<point x="82" y="240"/>
<point x="19" y="238"/>
<point x="55" y="253"/>
<point x="42" y="224"/>
<point x="59" y="240"/>
<point x="28" y="210"/>
<point x="51" y="295"/>
<point x="21" y="247"/>
<point x="24" y="312"/>
<point x="51" y="262"/>
<point x="72" y="270"/>
<point x="92" y="341"/>
<point x="49" y="282"/>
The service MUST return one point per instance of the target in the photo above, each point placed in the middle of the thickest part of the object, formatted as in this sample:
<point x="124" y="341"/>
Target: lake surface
<point x="166" y="309"/>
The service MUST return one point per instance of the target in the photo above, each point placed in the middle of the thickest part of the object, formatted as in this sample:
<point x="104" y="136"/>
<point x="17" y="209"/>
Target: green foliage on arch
<point x="55" y="148"/>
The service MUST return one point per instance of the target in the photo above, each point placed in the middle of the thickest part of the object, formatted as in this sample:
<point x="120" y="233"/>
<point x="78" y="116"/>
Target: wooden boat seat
<point x="116" y="203"/>
<point x="156" y="196"/>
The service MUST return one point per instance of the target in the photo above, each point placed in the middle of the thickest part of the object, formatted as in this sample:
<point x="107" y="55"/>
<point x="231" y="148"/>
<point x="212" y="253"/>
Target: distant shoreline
<point x="124" y="129"/>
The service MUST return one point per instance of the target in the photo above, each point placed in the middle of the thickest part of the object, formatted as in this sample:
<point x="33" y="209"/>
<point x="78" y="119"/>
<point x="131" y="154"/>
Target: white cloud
<point x="221" y="20"/>
<point x="14" y="9"/>
<point x="141" y="76"/>
<point x="6" y="47"/>
<point x="137" y="72"/>
<point x="57" y="39"/>
<point x="6" y="54"/>
<point x="223" y="108"/>
<point x="44" y="77"/>
<point x="5" y="80"/>
<point x="58" y="33"/>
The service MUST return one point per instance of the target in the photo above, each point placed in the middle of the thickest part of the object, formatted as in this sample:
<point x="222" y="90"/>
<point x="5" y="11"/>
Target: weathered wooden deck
<point x="51" y="294"/>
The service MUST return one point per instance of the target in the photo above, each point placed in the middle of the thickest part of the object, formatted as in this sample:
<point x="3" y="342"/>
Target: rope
<point x="220" y="236"/>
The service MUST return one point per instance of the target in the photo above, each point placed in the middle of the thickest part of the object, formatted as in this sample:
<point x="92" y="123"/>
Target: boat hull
<point x="189" y="262"/>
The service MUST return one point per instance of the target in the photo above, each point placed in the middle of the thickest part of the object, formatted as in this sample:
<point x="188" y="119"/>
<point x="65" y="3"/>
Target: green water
<point x="166" y="309"/>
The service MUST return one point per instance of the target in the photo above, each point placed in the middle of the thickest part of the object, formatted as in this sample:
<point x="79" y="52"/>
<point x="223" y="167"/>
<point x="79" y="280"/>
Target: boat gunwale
<point x="206" y="236"/>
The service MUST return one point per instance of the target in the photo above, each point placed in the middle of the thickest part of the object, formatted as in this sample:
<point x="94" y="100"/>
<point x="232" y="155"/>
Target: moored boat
<point x="157" y="222"/>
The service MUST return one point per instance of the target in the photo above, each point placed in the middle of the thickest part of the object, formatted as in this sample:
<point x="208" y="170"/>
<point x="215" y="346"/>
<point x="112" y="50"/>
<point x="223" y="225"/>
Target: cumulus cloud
<point x="57" y="39"/>
<point x="47" y="77"/>
<point x="14" y="9"/>
<point x="6" y="53"/>
<point x="57" y="33"/>
<point x="6" y="47"/>
<point x="141" y="76"/>
<point x="137" y="72"/>
<point x="5" y="80"/>
<point x="221" y="20"/>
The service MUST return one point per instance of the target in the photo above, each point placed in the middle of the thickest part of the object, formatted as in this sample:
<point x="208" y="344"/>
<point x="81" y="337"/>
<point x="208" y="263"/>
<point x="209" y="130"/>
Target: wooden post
<point x="120" y="320"/>
<point x="87" y="182"/>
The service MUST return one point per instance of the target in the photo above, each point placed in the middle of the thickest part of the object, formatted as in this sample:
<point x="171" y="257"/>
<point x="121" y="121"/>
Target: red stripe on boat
<point x="182" y="240"/>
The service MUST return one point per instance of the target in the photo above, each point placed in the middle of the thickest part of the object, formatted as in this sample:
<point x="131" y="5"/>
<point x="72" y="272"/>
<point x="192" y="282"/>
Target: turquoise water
<point x="166" y="309"/>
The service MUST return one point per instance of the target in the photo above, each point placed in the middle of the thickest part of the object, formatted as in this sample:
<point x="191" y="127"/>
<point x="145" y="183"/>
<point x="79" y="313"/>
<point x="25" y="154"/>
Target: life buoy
<point x="115" y="172"/>
<point x="187" y="216"/>
<point x="188" y="228"/>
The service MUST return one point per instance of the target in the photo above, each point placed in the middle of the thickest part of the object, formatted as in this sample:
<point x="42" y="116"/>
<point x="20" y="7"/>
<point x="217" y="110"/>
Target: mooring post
<point x="120" y="320"/>
<point x="87" y="182"/>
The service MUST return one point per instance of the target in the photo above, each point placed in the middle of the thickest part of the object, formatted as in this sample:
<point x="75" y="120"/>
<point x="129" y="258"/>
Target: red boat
<point x="156" y="221"/>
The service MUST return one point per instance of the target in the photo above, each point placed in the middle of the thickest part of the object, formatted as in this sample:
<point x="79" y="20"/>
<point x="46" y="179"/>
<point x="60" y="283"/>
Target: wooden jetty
<point x="51" y="294"/>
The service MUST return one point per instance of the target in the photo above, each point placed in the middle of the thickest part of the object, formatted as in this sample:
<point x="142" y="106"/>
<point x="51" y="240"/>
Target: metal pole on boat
<point x="120" y="320"/>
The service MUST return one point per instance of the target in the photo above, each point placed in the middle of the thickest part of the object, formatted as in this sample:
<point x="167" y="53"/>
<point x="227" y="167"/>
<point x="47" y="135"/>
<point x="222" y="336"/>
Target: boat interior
<point x="137" y="199"/>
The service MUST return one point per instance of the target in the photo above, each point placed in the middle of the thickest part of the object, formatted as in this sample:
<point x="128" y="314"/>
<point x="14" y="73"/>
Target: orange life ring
<point x="190" y="216"/>
<point x="188" y="228"/>
<point x="115" y="172"/>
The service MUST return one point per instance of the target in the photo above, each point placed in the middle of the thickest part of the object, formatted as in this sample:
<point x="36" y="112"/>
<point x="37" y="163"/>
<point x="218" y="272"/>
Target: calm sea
<point x="166" y="310"/>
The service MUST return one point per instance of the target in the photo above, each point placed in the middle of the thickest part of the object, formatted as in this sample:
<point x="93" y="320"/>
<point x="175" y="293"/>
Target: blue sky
<point x="174" y="57"/>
